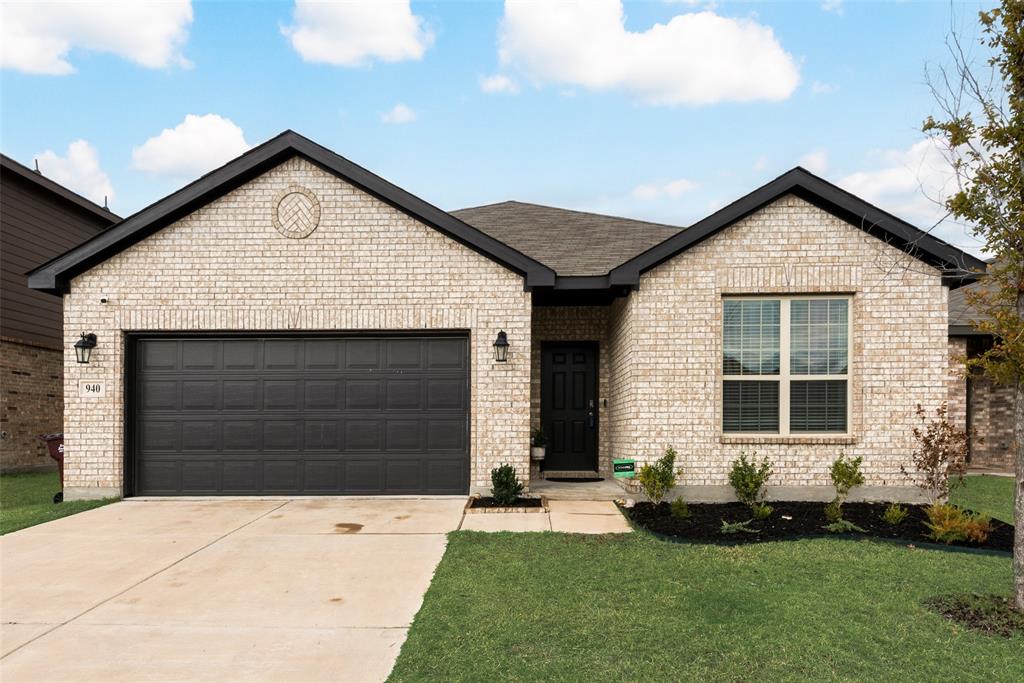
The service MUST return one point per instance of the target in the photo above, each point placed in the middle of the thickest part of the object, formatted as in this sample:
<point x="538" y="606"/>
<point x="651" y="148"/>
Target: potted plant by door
<point x="537" y="445"/>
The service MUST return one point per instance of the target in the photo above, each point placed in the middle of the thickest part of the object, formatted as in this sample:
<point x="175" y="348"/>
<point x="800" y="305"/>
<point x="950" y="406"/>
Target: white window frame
<point x="784" y="378"/>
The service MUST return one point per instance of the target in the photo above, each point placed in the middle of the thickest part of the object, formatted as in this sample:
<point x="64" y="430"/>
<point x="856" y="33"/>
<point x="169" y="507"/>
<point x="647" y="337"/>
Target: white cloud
<point x="79" y="170"/>
<point x="499" y="83"/>
<point x="195" y="146"/>
<point x="398" y="114"/>
<point x="695" y="58"/>
<point x="355" y="33"/>
<point x="834" y="6"/>
<point x="912" y="184"/>
<point x="671" y="188"/>
<point x="815" y="161"/>
<point x="36" y="37"/>
<point x="761" y="163"/>
<point x="820" y="88"/>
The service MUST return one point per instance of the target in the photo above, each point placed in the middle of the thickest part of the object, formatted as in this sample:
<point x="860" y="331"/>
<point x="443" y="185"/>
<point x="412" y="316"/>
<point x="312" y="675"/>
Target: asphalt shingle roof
<point x="569" y="242"/>
<point x="961" y="311"/>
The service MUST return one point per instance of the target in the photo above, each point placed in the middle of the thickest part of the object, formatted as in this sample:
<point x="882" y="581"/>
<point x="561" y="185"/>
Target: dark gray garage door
<point x="276" y="415"/>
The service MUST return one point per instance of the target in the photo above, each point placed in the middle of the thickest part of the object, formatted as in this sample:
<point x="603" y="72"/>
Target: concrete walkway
<point x="568" y="516"/>
<point x="301" y="590"/>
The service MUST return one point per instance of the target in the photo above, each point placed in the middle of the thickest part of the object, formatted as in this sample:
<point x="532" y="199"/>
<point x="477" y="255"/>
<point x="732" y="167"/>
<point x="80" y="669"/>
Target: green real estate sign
<point x="624" y="469"/>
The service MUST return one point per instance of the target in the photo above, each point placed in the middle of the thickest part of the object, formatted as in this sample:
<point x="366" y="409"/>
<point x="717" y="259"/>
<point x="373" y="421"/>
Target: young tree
<point x="982" y="128"/>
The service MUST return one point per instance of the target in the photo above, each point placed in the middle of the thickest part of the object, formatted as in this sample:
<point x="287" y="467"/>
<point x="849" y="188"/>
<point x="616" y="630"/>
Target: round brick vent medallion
<point x="296" y="212"/>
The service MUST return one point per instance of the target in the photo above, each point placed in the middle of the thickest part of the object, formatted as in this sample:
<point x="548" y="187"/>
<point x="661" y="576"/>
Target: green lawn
<point x="27" y="500"/>
<point x="989" y="494"/>
<point x="556" y="607"/>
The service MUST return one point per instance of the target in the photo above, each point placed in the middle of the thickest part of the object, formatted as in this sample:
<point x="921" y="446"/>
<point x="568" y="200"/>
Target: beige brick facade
<point x="370" y="267"/>
<point x="983" y="406"/>
<point x="666" y="352"/>
<point x="226" y="267"/>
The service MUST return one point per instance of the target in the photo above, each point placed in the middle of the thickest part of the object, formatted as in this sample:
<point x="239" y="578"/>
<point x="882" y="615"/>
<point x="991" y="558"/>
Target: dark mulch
<point x="796" y="520"/>
<point x="489" y="502"/>
<point x="993" y="614"/>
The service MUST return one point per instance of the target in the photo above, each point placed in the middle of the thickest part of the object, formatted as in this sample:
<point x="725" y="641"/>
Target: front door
<point x="568" y="405"/>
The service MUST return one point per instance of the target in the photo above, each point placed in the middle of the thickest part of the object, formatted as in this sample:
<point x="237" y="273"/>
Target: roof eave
<point x="54" y="276"/>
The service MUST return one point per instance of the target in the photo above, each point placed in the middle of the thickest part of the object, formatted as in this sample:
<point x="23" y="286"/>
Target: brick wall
<point x="992" y="410"/>
<point x="31" y="403"/>
<point x="366" y="267"/>
<point x="956" y="382"/>
<point x="666" y="354"/>
<point x="574" y="323"/>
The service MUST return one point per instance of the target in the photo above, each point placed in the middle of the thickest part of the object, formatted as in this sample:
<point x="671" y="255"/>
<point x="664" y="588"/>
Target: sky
<point x="661" y="110"/>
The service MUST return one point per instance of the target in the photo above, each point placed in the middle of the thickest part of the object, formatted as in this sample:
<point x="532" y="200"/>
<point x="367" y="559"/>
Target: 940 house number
<point x="92" y="389"/>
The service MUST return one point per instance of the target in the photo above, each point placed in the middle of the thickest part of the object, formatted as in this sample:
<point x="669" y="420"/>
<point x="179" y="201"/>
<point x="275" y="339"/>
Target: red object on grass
<point x="55" y="445"/>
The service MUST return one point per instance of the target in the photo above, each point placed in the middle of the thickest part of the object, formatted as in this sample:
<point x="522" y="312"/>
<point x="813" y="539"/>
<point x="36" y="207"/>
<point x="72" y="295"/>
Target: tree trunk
<point x="1018" y="500"/>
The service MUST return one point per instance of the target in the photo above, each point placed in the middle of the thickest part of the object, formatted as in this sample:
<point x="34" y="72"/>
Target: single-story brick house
<point x="291" y="323"/>
<point x="976" y="403"/>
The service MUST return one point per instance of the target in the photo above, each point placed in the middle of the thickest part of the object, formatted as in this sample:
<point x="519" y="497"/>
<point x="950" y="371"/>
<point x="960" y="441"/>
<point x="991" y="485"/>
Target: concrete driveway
<point x="283" y="590"/>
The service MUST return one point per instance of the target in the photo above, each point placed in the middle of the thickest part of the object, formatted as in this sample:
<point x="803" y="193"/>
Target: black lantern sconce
<point x="501" y="347"/>
<point x="84" y="347"/>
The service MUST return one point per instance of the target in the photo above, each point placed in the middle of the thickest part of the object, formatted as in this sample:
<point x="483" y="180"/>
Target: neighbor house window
<point x="785" y="365"/>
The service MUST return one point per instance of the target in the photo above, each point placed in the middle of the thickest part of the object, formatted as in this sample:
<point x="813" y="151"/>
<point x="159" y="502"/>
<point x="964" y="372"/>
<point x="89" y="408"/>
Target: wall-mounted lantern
<point x="501" y="347"/>
<point x="84" y="347"/>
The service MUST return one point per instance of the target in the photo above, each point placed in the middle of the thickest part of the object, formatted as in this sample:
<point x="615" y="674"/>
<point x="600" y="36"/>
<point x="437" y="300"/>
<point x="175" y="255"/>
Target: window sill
<point x="838" y="439"/>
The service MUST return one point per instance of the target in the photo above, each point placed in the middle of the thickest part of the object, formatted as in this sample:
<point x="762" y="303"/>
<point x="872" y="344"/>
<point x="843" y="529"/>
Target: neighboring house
<point x="39" y="219"/>
<point x="292" y="324"/>
<point x="984" y="408"/>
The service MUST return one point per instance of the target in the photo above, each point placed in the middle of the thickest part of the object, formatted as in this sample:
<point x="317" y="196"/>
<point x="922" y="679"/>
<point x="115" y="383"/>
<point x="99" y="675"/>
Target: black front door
<point x="568" y="405"/>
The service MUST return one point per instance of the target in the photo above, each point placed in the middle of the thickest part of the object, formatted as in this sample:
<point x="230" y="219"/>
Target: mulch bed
<point x="992" y="614"/>
<point x="489" y="502"/>
<point x="790" y="520"/>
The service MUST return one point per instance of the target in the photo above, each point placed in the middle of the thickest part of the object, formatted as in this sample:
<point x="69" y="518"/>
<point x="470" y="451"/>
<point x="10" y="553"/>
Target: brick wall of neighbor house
<point x="956" y="381"/>
<point x="31" y="395"/>
<point x="574" y="323"/>
<point x="667" y="354"/>
<point x="366" y="267"/>
<point x="991" y="407"/>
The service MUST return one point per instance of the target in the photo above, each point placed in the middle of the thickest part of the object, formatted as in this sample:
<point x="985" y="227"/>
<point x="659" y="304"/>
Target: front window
<point x="786" y="365"/>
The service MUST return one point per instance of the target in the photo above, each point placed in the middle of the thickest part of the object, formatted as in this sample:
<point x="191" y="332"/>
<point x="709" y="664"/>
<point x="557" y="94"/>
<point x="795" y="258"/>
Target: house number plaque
<point x="92" y="388"/>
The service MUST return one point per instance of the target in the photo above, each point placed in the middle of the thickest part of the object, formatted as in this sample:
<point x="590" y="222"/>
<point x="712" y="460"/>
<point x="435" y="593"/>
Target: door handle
<point x="590" y="414"/>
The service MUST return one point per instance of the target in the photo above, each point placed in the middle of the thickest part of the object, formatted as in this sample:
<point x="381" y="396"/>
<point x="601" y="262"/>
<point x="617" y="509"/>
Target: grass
<point x="557" y="607"/>
<point x="989" y="494"/>
<point x="27" y="499"/>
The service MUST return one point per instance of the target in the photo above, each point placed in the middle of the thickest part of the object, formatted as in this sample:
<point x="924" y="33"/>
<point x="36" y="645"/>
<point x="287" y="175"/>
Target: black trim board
<point x="958" y="267"/>
<point x="54" y="276"/>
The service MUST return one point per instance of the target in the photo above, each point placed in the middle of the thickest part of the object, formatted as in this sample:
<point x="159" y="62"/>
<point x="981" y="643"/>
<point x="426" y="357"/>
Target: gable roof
<point x="572" y="243"/>
<point x="957" y="266"/>
<point x="55" y="275"/>
<point x="9" y="165"/>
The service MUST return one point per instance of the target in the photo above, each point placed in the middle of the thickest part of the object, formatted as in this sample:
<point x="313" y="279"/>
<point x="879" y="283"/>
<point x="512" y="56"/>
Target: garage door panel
<point x="292" y="415"/>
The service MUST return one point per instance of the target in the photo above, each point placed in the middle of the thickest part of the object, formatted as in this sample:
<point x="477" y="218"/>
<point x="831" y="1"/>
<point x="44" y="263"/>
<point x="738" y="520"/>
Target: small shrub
<point x="843" y="526"/>
<point x="846" y="475"/>
<point x="762" y="511"/>
<point x="748" y="479"/>
<point x="657" y="479"/>
<point x="833" y="511"/>
<point x="537" y="438"/>
<point x="680" y="510"/>
<point x="505" y="485"/>
<point x="894" y="514"/>
<point x="736" y="527"/>
<point x="941" y="454"/>
<point x="949" y="524"/>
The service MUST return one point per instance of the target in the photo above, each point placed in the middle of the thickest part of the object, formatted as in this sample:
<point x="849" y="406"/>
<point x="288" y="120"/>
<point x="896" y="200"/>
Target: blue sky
<point x="597" y="121"/>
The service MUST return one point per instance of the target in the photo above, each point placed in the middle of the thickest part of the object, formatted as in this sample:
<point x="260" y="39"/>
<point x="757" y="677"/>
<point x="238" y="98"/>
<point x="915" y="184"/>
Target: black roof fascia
<point x="26" y="173"/>
<point x="959" y="267"/>
<point x="966" y="331"/>
<point x="55" y="275"/>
